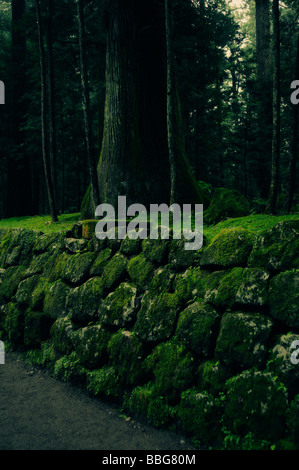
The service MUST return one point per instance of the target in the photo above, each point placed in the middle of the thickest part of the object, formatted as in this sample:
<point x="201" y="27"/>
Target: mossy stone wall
<point x="197" y="340"/>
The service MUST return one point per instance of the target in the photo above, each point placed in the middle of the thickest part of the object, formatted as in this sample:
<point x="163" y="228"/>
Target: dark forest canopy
<point x="221" y="95"/>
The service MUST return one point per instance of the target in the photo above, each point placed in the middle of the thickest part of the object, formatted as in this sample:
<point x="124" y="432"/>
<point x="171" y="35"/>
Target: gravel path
<point x="38" y="412"/>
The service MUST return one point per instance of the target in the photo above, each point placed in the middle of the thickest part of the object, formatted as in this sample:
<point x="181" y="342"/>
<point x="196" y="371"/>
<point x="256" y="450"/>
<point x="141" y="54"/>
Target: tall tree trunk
<point x="170" y="98"/>
<point x="264" y="96"/>
<point x="51" y="96"/>
<point x="19" y="198"/>
<point x="294" y="146"/>
<point x="134" y="159"/>
<point x="90" y="150"/>
<point x="45" y="144"/>
<point x="272" y="200"/>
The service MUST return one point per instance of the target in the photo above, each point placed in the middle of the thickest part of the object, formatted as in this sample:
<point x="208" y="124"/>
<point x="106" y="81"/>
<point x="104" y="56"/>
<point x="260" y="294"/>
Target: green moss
<point x="243" y="338"/>
<point x="140" y="271"/>
<point x="10" y="281"/>
<point x="211" y="377"/>
<point x="200" y="416"/>
<point x="83" y="302"/>
<point x="119" y="307"/>
<point x="46" y="356"/>
<point x="36" y="328"/>
<point x="162" y="280"/>
<point x="25" y="289"/>
<point x="38" y="294"/>
<point x="284" y="297"/>
<point x="100" y="262"/>
<point x="14" y="323"/>
<point x="155" y="250"/>
<point x="255" y="403"/>
<point x="223" y="287"/>
<point x="157" y="316"/>
<point x="75" y="268"/>
<point x="114" y="271"/>
<point x="172" y="367"/>
<point x="126" y="353"/>
<point x="230" y="247"/>
<point x="55" y="299"/>
<point x="61" y="333"/>
<point x="103" y="382"/>
<point x="277" y="248"/>
<point x="91" y="344"/>
<point x="197" y="328"/>
<point x="226" y="203"/>
<point x="191" y="284"/>
<point x="69" y="368"/>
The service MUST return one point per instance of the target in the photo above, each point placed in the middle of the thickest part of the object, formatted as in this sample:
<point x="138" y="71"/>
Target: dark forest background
<point x="226" y="70"/>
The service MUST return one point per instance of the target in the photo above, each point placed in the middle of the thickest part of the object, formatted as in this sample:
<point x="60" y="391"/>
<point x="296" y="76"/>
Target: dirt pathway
<point x="38" y="412"/>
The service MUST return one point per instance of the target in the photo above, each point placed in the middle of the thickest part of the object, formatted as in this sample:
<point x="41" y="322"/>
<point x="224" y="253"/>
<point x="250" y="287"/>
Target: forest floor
<point x="39" y="412"/>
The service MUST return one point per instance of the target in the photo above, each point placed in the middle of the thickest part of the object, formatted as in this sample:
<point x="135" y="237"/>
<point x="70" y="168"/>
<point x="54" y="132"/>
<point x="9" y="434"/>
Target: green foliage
<point x="103" y="382"/>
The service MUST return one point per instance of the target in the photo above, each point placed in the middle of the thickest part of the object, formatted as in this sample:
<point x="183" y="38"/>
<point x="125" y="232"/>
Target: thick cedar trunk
<point x="264" y="96"/>
<point x="134" y="160"/>
<point x="45" y="144"/>
<point x="86" y="109"/>
<point x="19" y="200"/>
<point x="294" y="146"/>
<point x="272" y="200"/>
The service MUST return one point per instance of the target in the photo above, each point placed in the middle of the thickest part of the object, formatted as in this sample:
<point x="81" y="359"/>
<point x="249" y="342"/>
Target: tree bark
<point x="51" y="96"/>
<point x="19" y="198"/>
<point x="264" y="95"/>
<point x="134" y="159"/>
<point x="45" y="144"/>
<point x="95" y="199"/>
<point x="170" y="99"/>
<point x="273" y="193"/>
<point x="294" y="146"/>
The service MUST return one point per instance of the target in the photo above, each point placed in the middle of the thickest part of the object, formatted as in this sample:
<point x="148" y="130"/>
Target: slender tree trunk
<point x="264" y="96"/>
<point x="272" y="200"/>
<point x="294" y="146"/>
<point x="51" y="96"/>
<point x="95" y="199"/>
<point x="170" y="98"/>
<point x="45" y="145"/>
<point x="19" y="198"/>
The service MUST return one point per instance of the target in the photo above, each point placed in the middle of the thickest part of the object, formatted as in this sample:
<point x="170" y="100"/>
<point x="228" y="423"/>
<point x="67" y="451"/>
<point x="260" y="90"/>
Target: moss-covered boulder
<point x="130" y="246"/>
<point x="21" y="243"/>
<point x="242" y="341"/>
<point x="277" y="249"/>
<point x="212" y="376"/>
<point x="83" y="302"/>
<point x="237" y="287"/>
<point x="162" y="280"/>
<point x="37" y="327"/>
<point x="50" y="242"/>
<point x="172" y="368"/>
<point x="179" y="257"/>
<point x="230" y="247"/>
<point x="38" y="294"/>
<point x="197" y="328"/>
<point x="25" y="289"/>
<point x="155" y="250"/>
<point x="191" y="284"/>
<point x="55" y="299"/>
<point x="61" y="333"/>
<point x="284" y="298"/>
<point x="119" y="308"/>
<point x="75" y="245"/>
<point x="200" y="416"/>
<point x="284" y="360"/>
<point x="257" y="403"/>
<point x="141" y="271"/>
<point x="226" y="203"/>
<point x="100" y="262"/>
<point x="126" y="354"/>
<point x="14" y="323"/>
<point x="37" y="264"/>
<point x="114" y="272"/>
<point x="104" y="383"/>
<point x="76" y="268"/>
<point x="90" y="344"/>
<point x="157" y="317"/>
<point x="10" y="282"/>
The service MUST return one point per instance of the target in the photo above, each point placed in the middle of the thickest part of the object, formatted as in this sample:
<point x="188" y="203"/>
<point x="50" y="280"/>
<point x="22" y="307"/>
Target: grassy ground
<point x="254" y="222"/>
